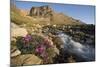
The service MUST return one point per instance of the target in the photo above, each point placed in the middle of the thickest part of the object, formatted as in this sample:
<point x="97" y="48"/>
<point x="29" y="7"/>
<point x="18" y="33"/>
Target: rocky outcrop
<point x="42" y="11"/>
<point x="17" y="31"/>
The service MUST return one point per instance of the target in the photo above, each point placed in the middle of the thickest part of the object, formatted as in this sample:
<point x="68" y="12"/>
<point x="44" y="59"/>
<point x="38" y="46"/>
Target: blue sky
<point x="85" y="13"/>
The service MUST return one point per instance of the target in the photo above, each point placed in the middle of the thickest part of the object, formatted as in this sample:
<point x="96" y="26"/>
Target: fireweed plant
<point x="35" y="44"/>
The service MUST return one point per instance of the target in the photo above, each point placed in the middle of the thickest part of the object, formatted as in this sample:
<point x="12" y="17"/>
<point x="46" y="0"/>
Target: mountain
<point x="41" y="15"/>
<point x="55" y="18"/>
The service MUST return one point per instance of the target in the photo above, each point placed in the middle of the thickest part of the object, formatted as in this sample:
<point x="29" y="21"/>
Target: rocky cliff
<point x="42" y="11"/>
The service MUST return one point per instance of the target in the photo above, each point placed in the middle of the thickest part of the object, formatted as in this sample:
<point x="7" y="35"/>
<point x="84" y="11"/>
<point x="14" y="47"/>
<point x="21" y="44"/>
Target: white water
<point x="86" y="52"/>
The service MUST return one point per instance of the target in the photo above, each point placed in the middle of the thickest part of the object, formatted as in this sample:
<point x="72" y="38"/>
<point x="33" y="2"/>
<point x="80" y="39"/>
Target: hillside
<point x="60" y="18"/>
<point x="20" y="17"/>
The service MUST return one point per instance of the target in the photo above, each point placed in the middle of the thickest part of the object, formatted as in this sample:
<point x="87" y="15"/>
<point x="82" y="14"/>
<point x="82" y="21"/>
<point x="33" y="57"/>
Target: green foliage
<point x="36" y="44"/>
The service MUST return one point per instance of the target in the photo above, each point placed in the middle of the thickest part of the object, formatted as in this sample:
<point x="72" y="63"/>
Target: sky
<point x="85" y="13"/>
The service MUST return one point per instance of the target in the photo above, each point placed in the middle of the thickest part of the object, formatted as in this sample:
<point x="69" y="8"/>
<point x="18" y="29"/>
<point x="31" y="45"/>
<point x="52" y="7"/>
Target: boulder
<point x="15" y="32"/>
<point x="58" y="42"/>
<point x="13" y="25"/>
<point x="27" y="59"/>
<point x="15" y="53"/>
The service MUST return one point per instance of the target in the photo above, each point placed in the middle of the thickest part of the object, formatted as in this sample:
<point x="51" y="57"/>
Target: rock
<point x="15" y="32"/>
<point x="56" y="50"/>
<point x="54" y="25"/>
<point x="58" y="42"/>
<point x="14" y="25"/>
<point x="42" y="11"/>
<point x="32" y="60"/>
<point x="27" y="59"/>
<point x="71" y="59"/>
<point x="15" y="53"/>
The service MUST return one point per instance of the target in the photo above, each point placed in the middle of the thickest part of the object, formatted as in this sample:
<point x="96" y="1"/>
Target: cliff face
<point x="42" y="11"/>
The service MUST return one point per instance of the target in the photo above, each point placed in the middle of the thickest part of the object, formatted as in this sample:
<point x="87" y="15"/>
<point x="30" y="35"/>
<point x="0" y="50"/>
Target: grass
<point x="19" y="20"/>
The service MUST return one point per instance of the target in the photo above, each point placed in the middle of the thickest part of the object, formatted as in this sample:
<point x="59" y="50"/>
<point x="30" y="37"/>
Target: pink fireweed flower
<point x="27" y="38"/>
<point x="40" y="49"/>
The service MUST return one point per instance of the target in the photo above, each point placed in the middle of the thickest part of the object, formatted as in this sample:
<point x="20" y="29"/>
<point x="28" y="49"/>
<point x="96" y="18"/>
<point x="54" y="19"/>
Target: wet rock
<point x="58" y="42"/>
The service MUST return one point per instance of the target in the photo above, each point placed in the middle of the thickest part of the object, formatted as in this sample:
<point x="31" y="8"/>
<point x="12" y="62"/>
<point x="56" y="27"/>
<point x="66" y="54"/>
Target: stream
<point x="81" y="52"/>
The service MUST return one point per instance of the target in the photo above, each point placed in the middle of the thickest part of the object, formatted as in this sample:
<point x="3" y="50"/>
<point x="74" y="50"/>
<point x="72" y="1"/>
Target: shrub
<point x="36" y="44"/>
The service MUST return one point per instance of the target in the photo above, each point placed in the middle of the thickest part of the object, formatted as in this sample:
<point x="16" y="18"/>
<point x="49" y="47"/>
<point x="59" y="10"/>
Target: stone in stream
<point x="58" y="42"/>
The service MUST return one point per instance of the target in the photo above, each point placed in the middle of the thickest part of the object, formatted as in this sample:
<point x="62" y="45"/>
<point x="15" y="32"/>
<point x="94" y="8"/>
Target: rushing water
<point x="76" y="48"/>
